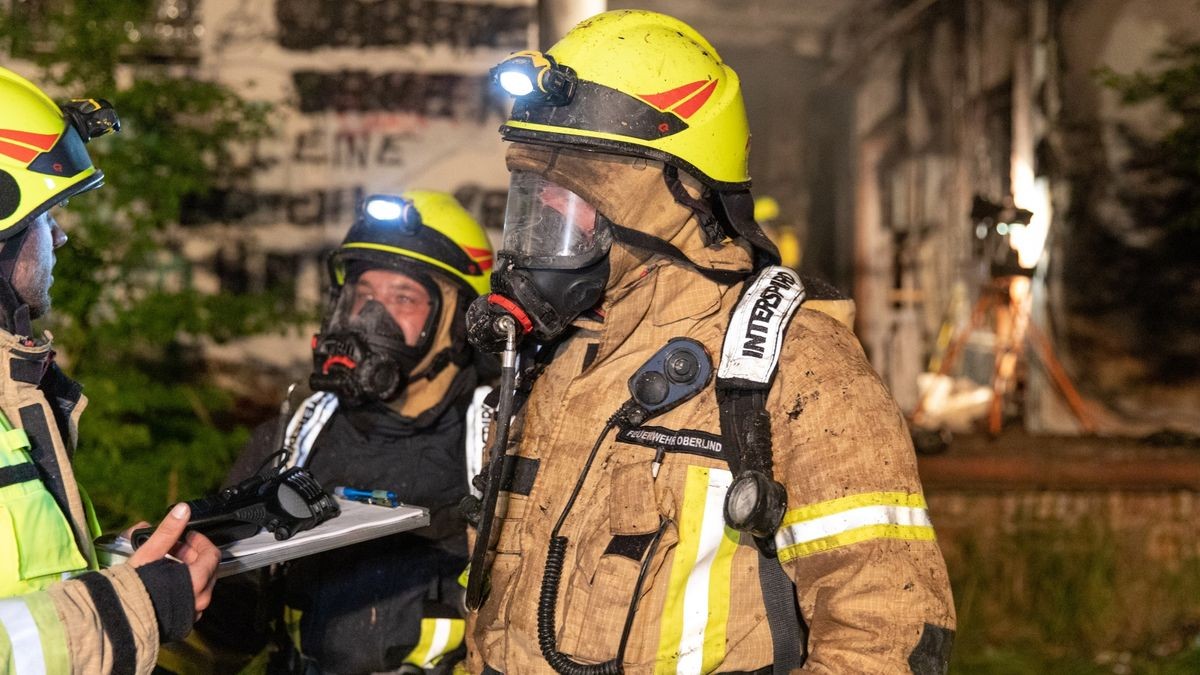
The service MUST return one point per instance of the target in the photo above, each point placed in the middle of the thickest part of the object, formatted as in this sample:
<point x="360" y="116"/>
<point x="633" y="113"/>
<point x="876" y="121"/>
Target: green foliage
<point x="1169" y="166"/>
<point x="125" y="318"/>
<point x="1072" y="600"/>
<point x="1140" y="279"/>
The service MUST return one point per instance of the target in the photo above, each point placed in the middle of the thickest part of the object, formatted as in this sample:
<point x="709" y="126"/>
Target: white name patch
<point x="752" y="341"/>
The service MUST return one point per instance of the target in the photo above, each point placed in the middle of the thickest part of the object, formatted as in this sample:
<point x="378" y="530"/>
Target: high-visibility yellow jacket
<point x="58" y="614"/>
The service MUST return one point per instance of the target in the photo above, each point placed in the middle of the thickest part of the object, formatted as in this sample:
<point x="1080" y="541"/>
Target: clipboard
<point x="357" y="523"/>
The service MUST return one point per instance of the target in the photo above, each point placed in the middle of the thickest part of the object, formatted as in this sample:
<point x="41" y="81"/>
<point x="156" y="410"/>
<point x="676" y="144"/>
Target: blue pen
<point x="377" y="497"/>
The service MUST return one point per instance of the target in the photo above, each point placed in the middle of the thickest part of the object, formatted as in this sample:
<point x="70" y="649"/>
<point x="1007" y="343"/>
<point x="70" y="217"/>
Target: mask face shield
<point x="362" y="353"/>
<point x="547" y="226"/>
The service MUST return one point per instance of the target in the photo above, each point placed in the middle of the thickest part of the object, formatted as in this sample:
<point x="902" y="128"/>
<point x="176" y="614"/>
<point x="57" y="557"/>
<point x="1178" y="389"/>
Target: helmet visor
<point x="548" y="226"/>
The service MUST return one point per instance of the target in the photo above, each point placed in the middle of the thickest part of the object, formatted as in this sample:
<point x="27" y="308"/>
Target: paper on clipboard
<point x="357" y="523"/>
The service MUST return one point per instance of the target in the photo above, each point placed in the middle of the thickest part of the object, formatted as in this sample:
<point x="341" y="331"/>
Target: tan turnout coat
<point x="856" y="539"/>
<point x="870" y="589"/>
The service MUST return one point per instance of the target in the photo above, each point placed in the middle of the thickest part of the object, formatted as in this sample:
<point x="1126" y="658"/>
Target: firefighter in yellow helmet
<point x="703" y="474"/>
<point x="58" y="614"/>
<point x="393" y="376"/>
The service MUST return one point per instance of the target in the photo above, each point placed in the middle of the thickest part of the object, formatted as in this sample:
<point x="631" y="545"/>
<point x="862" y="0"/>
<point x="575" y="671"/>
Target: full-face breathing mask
<point x="363" y="356"/>
<point x="552" y="267"/>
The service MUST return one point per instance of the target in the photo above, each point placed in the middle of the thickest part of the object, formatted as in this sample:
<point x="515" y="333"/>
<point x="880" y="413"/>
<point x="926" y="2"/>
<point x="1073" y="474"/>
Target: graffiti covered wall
<point x="368" y="96"/>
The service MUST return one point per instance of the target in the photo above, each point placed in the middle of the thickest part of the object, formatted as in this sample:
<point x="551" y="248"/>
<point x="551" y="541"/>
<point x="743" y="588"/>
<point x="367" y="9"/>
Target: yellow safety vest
<point x="37" y="543"/>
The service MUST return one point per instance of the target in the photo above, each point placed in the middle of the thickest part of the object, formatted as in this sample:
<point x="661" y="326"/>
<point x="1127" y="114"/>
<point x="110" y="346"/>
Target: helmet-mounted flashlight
<point x="534" y="74"/>
<point x="91" y="117"/>
<point x="391" y="210"/>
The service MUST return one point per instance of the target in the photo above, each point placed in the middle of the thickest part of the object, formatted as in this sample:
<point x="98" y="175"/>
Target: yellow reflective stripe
<point x="911" y="533"/>
<point x="696" y="611"/>
<point x="291" y="623"/>
<point x="719" y="591"/>
<point x="411" y="254"/>
<point x="850" y="520"/>
<point x="810" y="511"/>
<point x="438" y="638"/>
<point x="14" y="439"/>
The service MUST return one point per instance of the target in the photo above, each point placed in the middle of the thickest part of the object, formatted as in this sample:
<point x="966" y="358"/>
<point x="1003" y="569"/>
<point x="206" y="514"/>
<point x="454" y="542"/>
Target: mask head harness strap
<point x="14" y="313"/>
<point x="713" y="232"/>
<point x="735" y="210"/>
<point x="732" y="218"/>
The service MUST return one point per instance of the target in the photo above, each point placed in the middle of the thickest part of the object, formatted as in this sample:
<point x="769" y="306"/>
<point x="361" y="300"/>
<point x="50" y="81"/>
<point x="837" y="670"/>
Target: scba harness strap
<point x="749" y="359"/>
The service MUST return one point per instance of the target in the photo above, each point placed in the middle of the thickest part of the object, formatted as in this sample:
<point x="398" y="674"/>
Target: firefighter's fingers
<point x="164" y="538"/>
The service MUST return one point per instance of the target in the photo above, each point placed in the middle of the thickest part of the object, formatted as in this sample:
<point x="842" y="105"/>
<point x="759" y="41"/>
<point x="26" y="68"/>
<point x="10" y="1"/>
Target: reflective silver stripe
<point x="697" y="605"/>
<point x="863" y="516"/>
<point x="479" y="415"/>
<point x="307" y="423"/>
<point x="441" y="638"/>
<point x="23" y="636"/>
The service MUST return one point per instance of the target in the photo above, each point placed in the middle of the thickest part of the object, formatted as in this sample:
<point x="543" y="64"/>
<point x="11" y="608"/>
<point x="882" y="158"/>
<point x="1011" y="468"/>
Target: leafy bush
<point x="128" y="323"/>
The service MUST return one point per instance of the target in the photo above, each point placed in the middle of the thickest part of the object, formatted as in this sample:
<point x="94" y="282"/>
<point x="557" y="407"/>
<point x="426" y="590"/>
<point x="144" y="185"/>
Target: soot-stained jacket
<point x="373" y="606"/>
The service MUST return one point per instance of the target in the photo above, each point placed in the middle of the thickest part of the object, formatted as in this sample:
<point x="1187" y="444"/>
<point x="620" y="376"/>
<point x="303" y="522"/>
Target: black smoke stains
<point x="434" y="95"/>
<point x="306" y="25"/>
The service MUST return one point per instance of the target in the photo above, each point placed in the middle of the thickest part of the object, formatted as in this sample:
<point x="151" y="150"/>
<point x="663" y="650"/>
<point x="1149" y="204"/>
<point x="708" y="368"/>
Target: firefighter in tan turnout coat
<point x="628" y="226"/>
<point x="58" y="612"/>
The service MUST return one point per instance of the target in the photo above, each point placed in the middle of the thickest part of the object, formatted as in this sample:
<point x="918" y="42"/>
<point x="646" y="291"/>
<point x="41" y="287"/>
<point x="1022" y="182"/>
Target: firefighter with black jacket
<point x="393" y="378"/>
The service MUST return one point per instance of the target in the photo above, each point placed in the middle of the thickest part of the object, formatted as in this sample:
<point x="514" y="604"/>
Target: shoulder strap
<point x="479" y="416"/>
<point x="749" y="359"/>
<point x="750" y="354"/>
<point x="306" y="425"/>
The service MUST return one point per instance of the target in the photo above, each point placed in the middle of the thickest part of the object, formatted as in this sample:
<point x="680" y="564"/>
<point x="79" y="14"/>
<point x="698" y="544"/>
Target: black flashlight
<point x="91" y="117"/>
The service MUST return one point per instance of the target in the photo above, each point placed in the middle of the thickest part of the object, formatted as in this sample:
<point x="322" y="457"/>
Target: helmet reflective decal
<point x="677" y="100"/>
<point x="40" y="141"/>
<point x="22" y="153"/>
<point x="483" y="256"/>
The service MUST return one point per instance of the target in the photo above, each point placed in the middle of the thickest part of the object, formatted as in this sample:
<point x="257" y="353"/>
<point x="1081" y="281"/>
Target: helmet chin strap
<point x="14" y="312"/>
<point x="647" y="242"/>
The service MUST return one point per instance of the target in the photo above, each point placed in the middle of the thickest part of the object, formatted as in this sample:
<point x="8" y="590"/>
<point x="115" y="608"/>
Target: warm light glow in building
<point x="1032" y="194"/>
